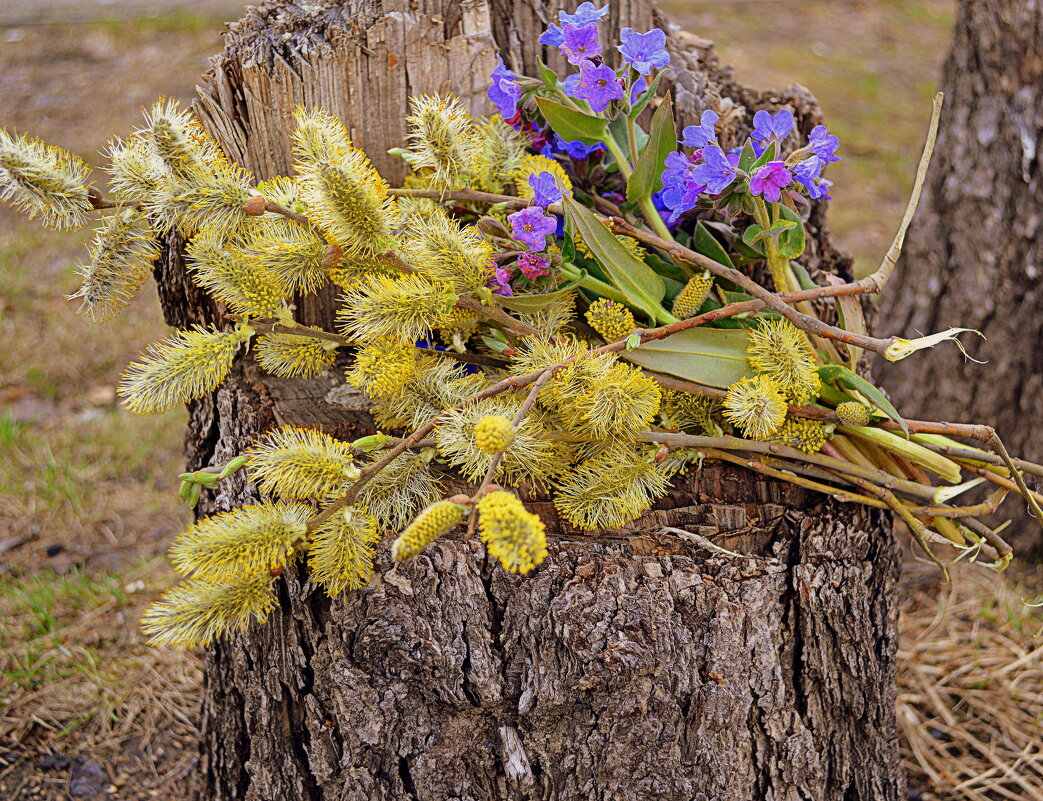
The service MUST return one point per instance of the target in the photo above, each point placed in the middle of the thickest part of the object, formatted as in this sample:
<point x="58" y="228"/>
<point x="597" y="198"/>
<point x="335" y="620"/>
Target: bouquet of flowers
<point x="561" y="300"/>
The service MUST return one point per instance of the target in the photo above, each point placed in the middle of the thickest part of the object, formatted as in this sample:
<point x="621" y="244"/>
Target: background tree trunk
<point x="633" y="664"/>
<point x="974" y="257"/>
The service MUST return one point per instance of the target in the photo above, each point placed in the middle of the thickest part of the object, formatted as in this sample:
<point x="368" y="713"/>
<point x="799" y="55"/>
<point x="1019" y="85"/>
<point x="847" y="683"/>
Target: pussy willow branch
<point x="328" y="336"/>
<point x="877" y="280"/>
<point x="523" y="410"/>
<point x="971" y="455"/>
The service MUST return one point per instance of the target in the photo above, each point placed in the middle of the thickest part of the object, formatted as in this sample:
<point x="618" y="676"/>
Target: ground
<point x="88" y="491"/>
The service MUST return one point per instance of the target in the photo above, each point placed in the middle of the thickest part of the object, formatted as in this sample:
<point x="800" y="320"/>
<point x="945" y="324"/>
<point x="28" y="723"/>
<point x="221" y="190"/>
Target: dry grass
<point x="970" y="704"/>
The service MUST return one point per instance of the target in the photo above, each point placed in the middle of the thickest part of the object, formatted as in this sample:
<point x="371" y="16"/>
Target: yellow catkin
<point x="779" y="350"/>
<point x="512" y="534"/>
<point x="852" y="413"/>
<point x="756" y="406"/>
<point x="493" y="434"/>
<point x="44" y="181"/>
<point x="435" y="521"/>
<point x="692" y="296"/>
<point x="302" y="464"/>
<point x="340" y="556"/>
<point x="294" y="356"/>
<point x="383" y="366"/>
<point x="232" y="545"/>
<point x="444" y="139"/>
<point x="805" y="435"/>
<point x="197" y="612"/>
<point x="186" y="366"/>
<point x="612" y="320"/>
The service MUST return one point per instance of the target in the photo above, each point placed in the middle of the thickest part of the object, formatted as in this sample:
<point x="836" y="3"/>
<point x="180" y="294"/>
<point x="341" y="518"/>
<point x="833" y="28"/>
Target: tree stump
<point x="748" y="654"/>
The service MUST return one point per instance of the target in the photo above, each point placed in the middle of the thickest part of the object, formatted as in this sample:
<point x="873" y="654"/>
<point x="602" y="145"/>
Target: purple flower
<point x="500" y="282"/>
<point x="576" y="150"/>
<point x="824" y="144"/>
<point x="681" y="189"/>
<point x="701" y="135"/>
<point x="545" y="188"/>
<point x="570" y="85"/>
<point x="552" y="37"/>
<point x="644" y="51"/>
<point x="533" y="265"/>
<point x="637" y="89"/>
<point x="532" y="227"/>
<point x="716" y="172"/>
<point x="770" y="180"/>
<point x="504" y="92"/>
<point x="597" y="85"/>
<point x="766" y="126"/>
<point x="808" y="174"/>
<point x="580" y="43"/>
<point x="585" y="14"/>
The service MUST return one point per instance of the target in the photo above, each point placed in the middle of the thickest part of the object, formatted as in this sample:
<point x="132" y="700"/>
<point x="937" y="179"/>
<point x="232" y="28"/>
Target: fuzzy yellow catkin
<point x="612" y="320"/>
<point x="435" y="521"/>
<point x="501" y="154"/>
<point x="779" y="350"/>
<point x="121" y="257"/>
<point x="493" y="434"/>
<point x="340" y="555"/>
<point x="383" y="366"/>
<point x="853" y="413"/>
<point x="232" y="545"/>
<point x="443" y="138"/>
<point x="294" y="356"/>
<point x="44" y="181"/>
<point x="805" y="435"/>
<point x="512" y="534"/>
<point x="692" y="296"/>
<point x="756" y="406"/>
<point x="197" y="611"/>
<point x="183" y="367"/>
<point x="302" y="464"/>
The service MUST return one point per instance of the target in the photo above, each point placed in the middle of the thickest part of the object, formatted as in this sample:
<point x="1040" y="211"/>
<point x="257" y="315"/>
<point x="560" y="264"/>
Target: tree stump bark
<point x="974" y="256"/>
<point x="633" y="663"/>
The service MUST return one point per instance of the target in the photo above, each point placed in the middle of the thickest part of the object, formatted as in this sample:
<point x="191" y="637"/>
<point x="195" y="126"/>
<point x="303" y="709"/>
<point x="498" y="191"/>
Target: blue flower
<point x="824" y="144"/>
<point x="808" y="173"/>
<point x="500" y="282"/>
<point x="570" y="85"/>
<point x="580" y="43"/>
<point x="504" y="92"/>
<point x="716" y="172"/>
<point x="681" y="189"/>
<point x="767" y="127"/>
<point x="597" y="85"/>
<point x="644" y="51"/>
<point x="531" y="227"/>
<point x="576" y="150"/>
<point x="585" y="14"/>
<point x="552" y="37"/>
<point x="637" y="89"/>
<point x="545" y="188"/>
<point x="701" y="135"/>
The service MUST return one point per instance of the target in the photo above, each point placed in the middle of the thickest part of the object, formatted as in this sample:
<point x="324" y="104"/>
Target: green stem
<point x="656" y="221"/>
<point x="632" y="137"/>
<point x="618" y="155"/>
<point x="777" y="263"/>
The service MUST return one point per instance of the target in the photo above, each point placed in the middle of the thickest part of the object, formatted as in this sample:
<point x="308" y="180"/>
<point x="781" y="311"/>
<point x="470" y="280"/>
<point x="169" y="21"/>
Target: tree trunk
<point x="974" y="257"/>
<point x="633" y="663"/>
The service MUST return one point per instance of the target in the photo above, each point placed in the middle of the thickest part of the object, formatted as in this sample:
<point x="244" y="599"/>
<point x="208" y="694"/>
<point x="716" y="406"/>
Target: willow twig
<point x="877" y="280"/>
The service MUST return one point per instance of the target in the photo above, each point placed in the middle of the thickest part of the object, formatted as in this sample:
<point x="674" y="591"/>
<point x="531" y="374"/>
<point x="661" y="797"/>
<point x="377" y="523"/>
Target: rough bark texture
<point x="974" y="257"/>
<point x="631" y="664"/>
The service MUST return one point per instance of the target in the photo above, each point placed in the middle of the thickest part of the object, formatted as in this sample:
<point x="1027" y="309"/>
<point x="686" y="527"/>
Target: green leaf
<point x="714" y="357"/>
<point x="803" y="278"/>
<point x="549" y="77"/>
<point x="766" y="156"/>
<point x="638" y="282"/>
<point x="837" y="372"/>
<point x="570" y="124"/>
<point x="707" y="244"/>
<point x="662" y="141"/>
<point x="751" y="237"/>
<point x="645" y="97"/>
<point x="528" y="304"/>
<point x="791" y="242"/>
<point x="747" y="157"/>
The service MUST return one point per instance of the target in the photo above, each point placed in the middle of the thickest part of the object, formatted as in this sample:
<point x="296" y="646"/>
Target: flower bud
<point x="493" y="434"/>
<point x="852" y="413"/>
<point x="255" y="206"/>
<point x="900" y="348"/>
<point x="492" y="227"/>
